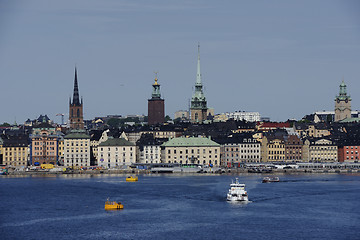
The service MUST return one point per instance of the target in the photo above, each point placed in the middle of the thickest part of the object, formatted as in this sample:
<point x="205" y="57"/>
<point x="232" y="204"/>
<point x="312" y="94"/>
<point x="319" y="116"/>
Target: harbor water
<point x="171" y="206"/>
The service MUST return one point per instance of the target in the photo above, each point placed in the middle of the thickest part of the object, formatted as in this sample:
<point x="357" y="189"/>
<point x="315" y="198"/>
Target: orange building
<point x="44" y="145"/>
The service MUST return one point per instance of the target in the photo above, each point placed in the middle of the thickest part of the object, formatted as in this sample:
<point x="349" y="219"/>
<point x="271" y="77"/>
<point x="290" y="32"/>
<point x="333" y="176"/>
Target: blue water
<point x="322" y="206"/>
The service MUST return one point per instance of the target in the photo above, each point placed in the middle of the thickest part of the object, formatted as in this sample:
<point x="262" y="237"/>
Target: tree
<point x="114" y="122"/>
<point x="167" y="118"/>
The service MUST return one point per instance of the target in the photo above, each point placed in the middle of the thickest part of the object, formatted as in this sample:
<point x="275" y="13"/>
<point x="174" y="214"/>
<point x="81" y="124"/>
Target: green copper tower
<point x="342" y="104"/>
<point x="198" y="106"/>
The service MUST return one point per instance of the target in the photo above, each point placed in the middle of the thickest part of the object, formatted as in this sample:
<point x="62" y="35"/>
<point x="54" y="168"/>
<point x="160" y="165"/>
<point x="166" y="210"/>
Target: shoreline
<point x="147" y="172"/>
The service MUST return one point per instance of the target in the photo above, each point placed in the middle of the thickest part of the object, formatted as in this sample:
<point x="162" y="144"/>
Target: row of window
<point x="352" y="147"/>
<point x="192" y="157"/>
<point x="15" y="153"/>
<point x="237" y="149"/>
<point x="76" y="144"/>
<point x="44" y="143"/>
<point x="192" y="151"/>
<point x="77" y="150"/>
<point x="196" y="162"/>
<point x="323" y="148"/>
<point x="245" y="157"/>
<point x="47" y="148"/>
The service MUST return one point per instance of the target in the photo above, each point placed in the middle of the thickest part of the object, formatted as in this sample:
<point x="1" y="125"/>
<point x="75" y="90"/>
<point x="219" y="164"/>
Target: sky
<point x="283" y="59"/>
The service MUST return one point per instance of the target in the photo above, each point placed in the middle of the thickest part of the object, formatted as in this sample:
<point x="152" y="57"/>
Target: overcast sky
<point x="284" y="59"/>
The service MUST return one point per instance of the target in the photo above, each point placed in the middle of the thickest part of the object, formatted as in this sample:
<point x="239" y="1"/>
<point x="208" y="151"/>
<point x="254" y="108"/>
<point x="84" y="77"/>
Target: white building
<point x="116" y="152"/>
<point x="247" y="116"/>
<point x="77" y="149"/>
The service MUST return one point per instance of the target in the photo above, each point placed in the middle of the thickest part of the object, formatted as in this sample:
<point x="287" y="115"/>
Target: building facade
<point x="349" y="153"/>
<point x="16" y="151"/>
<point x="240" y="148"/>
<point x="182" y="115"/>
<point x="192" y="150"/>
<point x="44" y="145"/>
<point x="116" y="152"/>
<point x="293" y="148"/>
<point x="76" y="108"/>
<point x="273" y="149"/>
<point x="247" y="116"/>
<point x="77" y="149"/>
<point x="342" y="104"/>
<point x="322" y="150"/>
<point x="156" y="106"/>
<point x="149" y="149"/>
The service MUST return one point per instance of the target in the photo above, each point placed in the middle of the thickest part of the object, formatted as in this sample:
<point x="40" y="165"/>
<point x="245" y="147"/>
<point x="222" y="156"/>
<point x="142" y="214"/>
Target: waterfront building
<point x="1" y="150"/>
<point x="61" y="149"/>
<point x="95" y="136"/>
<point x="77" y="149"/>
<point x="342" y="104"/>
<point x="322" y="150"/>
<point x="191" y="150"/>
<point x="44" y="145"/>
<point x="116" y="152"/>
<point x="242" y="115"/>
<point x="156" y="109"/>
<point x="76" y="108"/>
<point x="198" y="108"/>
<point x="239" y="148"/>
<point x="15" y="150"/>
<point x="149" y="149"/>
<point x="273" y="148"/>
<point x="293" y="148"/>
<point x="349" y="152"/>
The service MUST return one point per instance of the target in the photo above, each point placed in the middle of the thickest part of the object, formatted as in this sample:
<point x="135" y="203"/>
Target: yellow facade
<point x="272" y="150"/>
<point x="197" y="155"/>
<point x="15" y="155"/>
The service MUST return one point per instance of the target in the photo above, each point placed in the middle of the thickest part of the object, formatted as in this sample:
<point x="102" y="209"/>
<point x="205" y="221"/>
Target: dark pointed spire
<point x="76" y="99"/>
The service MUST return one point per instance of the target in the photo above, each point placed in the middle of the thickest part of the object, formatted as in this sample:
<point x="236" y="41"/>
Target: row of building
<point x="218" y="144"/>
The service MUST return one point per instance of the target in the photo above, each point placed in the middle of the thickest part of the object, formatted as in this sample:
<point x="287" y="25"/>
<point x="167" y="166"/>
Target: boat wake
<point x="41" y="220"/>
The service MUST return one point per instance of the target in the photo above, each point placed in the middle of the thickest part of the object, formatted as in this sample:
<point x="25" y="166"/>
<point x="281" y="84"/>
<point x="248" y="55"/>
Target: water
<point x="322" y="206"/>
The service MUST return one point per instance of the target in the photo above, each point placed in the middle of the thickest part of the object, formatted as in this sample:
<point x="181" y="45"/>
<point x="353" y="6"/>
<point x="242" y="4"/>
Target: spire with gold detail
<point x="156" y="89"/>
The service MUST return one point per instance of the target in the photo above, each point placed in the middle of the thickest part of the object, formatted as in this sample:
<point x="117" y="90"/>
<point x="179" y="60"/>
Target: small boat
<point x="132" y="179"/>
<point x="112" y="205"/>
<point x="237" y="192"/>
<point x="270" y="179"/>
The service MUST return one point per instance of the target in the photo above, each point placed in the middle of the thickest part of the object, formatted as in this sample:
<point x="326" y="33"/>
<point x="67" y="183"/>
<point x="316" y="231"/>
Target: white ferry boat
<point x="237" y="192"/>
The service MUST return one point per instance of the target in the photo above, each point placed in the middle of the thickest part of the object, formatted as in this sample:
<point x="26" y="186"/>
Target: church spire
<point x="198" y="74"/>
<point x="76" y="98"/>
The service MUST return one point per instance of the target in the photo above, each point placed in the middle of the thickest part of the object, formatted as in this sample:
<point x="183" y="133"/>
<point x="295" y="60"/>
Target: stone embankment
<point x="217" y="171"/>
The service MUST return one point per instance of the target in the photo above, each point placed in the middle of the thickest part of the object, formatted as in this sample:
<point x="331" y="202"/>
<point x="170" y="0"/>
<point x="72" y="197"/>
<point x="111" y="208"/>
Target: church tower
<point x="342" y="104"/>
<point x="198" y="107"/>
<point x="76" y="108"/>
<point x="156" y="113"/>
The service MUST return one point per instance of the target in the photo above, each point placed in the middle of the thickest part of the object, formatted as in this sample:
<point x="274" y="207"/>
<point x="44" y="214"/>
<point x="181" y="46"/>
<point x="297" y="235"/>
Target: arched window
<point x="78" y="113"/>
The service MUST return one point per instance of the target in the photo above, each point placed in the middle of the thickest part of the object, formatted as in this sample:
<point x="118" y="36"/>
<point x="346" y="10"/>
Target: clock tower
<point x="342" y="104"/>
